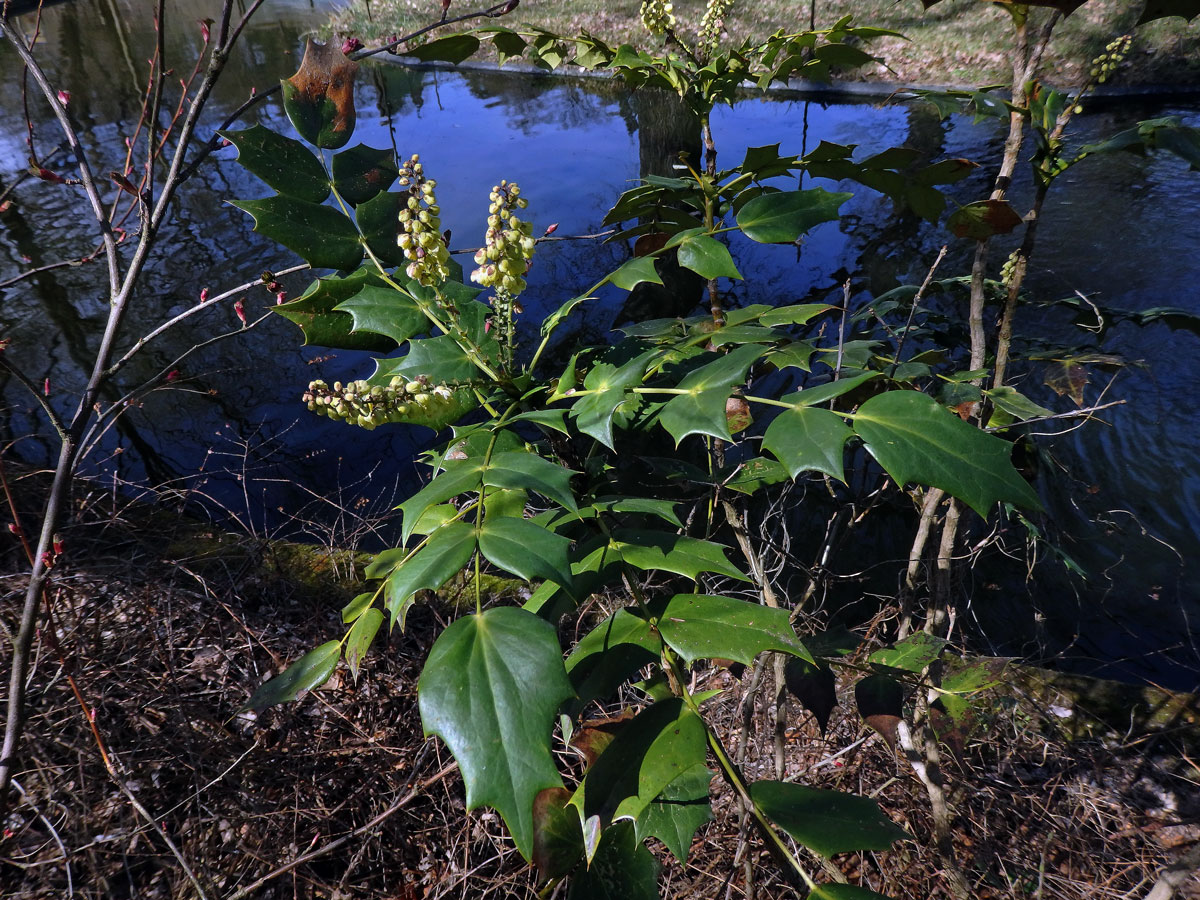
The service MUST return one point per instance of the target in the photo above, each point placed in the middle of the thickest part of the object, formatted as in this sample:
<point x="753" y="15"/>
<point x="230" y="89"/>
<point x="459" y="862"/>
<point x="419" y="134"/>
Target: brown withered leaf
<point x="737" y="414"/>
<point x="650" y="243"/>
<point x="1068" y="378"/>
<point x="980" y="220"/>
<point x="319" y="98"/>
<point x="596" y="734"/>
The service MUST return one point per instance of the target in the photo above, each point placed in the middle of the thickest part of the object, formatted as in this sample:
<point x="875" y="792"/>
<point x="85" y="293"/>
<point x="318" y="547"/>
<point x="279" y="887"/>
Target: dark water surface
<point x="1123" y="230"/>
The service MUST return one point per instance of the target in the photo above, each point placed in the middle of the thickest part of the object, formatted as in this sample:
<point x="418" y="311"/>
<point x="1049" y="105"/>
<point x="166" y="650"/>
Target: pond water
<point x="230" y="430"/>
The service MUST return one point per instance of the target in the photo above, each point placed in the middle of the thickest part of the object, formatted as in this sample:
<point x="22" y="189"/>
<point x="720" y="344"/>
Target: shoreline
<point x="801" y="88"/>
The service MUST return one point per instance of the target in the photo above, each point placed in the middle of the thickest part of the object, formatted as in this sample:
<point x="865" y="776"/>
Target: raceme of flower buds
<point x="420" y="227"/>
<point x="1115" y="52"/>
<point x="368" y="406"/>
<point x="711" y="26"/>
<point x="508" y="243"/>
<point x="657" y="16"/>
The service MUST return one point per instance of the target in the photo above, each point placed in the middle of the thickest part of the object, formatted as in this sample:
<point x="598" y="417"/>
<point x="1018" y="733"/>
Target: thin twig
<point x="398" y="805"/>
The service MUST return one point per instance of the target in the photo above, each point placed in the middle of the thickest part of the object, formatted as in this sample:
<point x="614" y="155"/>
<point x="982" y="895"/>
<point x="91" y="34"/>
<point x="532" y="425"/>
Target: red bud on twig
<point x="46" y="388"/>
<point x="550" y="229"/>
<point x="58" y="545"/>
<point x="512" y="4"/>
<point x="240" y="309"/>
<point x="14" y="528"/>
<point x="204" y="24"/>
<point x="351" y="44"/>
<point x="64" y="97"/>
<point x="173" y="375"/>
<point x="203" y="295"/>
<point x="280" y="297"/>
<point x="123" y="183"/>
<point x="47" y="175"/>
<point x="5" y="206"/>
<point x="445" y="5"/>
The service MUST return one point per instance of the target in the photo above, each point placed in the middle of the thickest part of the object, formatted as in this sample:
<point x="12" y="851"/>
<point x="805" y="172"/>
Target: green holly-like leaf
<point x="527" y="550"/>
<point x="707" y="257"/>
<point x="386" y="311"/>
<point x="676" y="553"/>
<point x="781" y="218"/>
<point x="808" y="439"/>
<point x="309" y="671"/>
<point x="458" y="477"/>
<point x="655" y="748"/>
<point x="319" y="98"/>
<point x="702" y="409"/>
<point x="284" y="164"/>
<point x="610" y="389"/>
<point x="619" y="867"/>
<point x="442" y="359"/>
<point x="377" y="221"/>
<point x="678" y="811"/>
<point x="446" y="553"/>
<point x="453" y="49"/>
<point x="700" y="626"/>
<point x="610" y="653"/>
<point x="361" y="172"/>
<point x="916" y="440"/>
<point x="912" y="654"/>
<point x="755" y="474"/>
<point x="1015" y="403"/>
<point x="320" y="235"/>
<point x="823" y="393"/>
<point x="982" y="219"/>
<point x="315" y="312"/>
<point x="634" y="271"/>
<point x="520" y="469"/>
<point x="359" y="639"/>
<point x="490" y="689"/>
<point x="826" y="822"/>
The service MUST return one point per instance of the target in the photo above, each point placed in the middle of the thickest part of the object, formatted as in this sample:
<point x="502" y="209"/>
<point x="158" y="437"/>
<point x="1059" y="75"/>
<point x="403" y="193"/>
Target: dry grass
<point x="955" y="42"/>
<point x="164" y="648"/>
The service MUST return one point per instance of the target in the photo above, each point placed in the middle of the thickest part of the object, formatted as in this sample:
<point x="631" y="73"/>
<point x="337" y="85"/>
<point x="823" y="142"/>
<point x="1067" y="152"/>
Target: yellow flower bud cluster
<point x="657" y="16"/>
<point x="508" y="244"/>
<point x="1115" y="52"/>
<point x="421" y="228"/>
<point x="1009" y="269"/>
<point x="367" y="405"/>
<point x="711" y="27"/>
